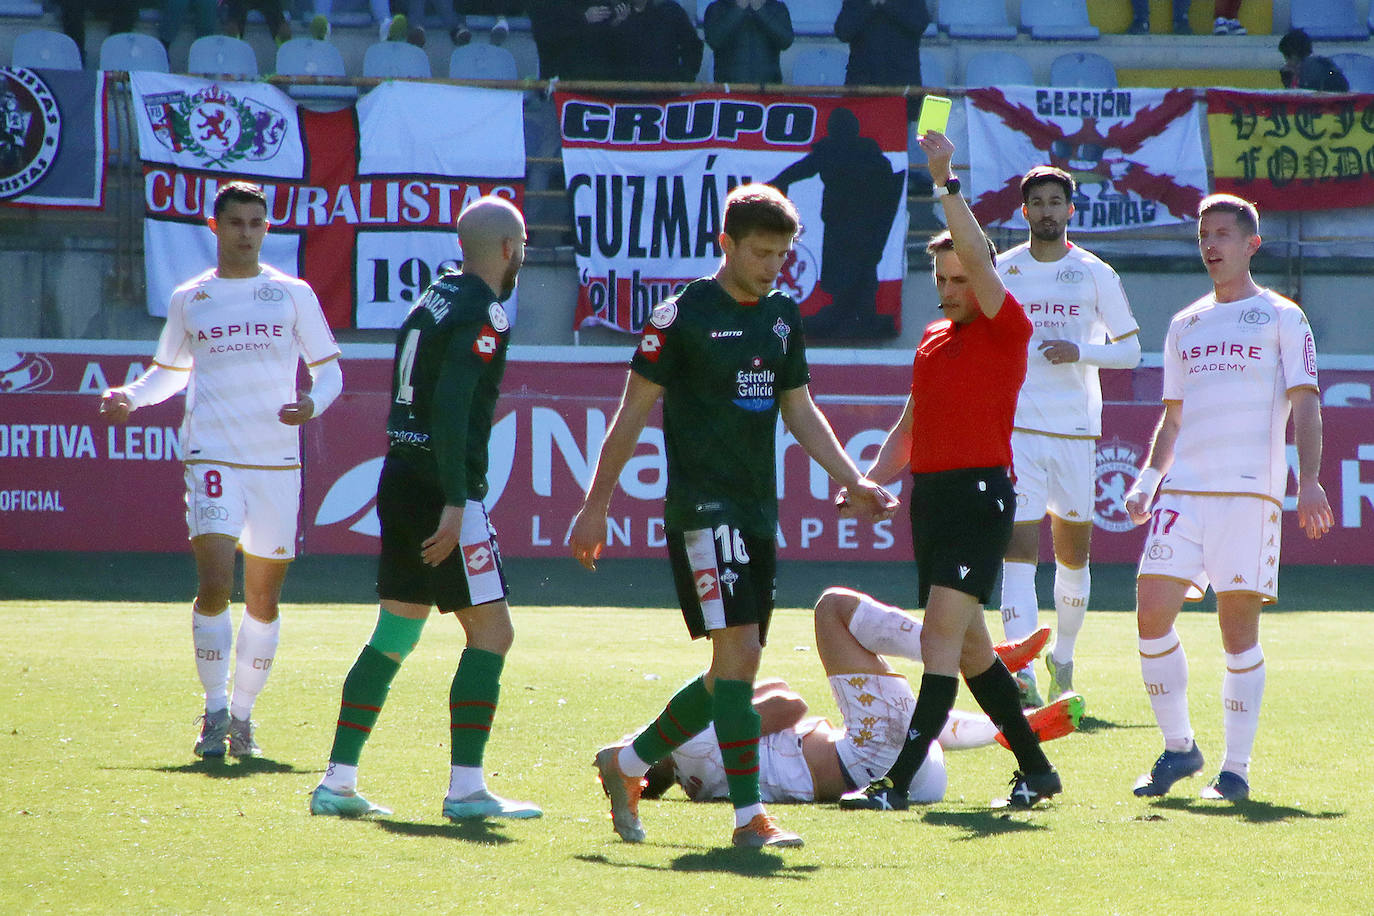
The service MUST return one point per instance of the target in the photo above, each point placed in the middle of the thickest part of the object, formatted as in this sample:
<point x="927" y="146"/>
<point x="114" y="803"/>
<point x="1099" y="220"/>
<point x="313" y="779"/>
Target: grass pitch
<point x="105" y="809"/>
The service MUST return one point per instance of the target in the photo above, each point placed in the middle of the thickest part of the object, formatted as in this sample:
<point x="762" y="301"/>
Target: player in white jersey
<point x="233" y="339"/>
<point x="1082" y="323"/>
<point x="1236" y="363"/>
<point x="807" y="759"/>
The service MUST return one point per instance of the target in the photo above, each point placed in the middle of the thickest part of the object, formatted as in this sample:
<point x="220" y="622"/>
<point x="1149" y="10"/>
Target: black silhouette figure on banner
<point x="858" y="204"/>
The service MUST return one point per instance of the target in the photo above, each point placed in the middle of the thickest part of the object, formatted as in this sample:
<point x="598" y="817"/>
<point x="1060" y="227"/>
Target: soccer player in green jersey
<point x="438" y="548"/>
<point x="726" y="355"/>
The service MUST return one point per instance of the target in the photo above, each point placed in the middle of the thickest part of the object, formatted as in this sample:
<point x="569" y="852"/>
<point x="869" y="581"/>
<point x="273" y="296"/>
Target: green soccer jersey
<point x="450" y="356"/>
<point x="722" y="365"/>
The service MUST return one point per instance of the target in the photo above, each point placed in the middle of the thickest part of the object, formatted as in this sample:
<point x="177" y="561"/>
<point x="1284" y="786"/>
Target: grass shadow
<point x="1092" y="724"/>
<point x="220" y="768"/>
<point x="975" y="825"/>
<point x="746" y="863"/>
<point x="469" y="831"/>
<point x="1256" y="812"/>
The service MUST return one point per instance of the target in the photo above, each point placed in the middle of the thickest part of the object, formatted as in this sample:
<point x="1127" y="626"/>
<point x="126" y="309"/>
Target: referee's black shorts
<point x="961" y="524"/>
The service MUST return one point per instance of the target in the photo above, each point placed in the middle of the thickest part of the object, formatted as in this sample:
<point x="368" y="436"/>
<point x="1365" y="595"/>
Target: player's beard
<point x="1043" y="232"/>
<point x="508" y="279"/>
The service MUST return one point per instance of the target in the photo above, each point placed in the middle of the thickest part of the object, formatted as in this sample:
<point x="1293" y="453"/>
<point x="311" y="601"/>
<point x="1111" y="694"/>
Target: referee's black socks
<point x="933" y="703"/>
<point x="995" y="691"/>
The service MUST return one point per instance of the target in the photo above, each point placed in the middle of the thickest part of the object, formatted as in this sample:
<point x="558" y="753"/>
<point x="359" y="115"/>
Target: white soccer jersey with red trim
<point x="1078" y="298"/>
<point x="240" y="340"/>
<point x="1232" y="365"/>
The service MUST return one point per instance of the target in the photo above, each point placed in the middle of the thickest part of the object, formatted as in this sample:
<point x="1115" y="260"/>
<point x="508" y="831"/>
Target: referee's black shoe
<point x="1029" y="788"/>
<point x="881" y="795"/>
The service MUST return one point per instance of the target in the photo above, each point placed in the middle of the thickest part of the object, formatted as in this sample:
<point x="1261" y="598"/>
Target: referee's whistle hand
<point x="587" y="538"/>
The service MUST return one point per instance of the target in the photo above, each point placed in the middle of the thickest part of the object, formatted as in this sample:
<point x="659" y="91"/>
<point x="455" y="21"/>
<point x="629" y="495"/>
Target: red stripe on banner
<point x="326" y="254"/>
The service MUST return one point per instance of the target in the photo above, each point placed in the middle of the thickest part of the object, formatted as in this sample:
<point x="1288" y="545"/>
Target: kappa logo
<point x="708" y="587"/>
<point x="1013" y="271"/>
<point x="30" y="131"/>
<point x="279" y="552"/>
<point x="200" y="296"/>
<point x="215" y="126"/>
<point x="1237" y="579"/>
<point x="477" y="558"/>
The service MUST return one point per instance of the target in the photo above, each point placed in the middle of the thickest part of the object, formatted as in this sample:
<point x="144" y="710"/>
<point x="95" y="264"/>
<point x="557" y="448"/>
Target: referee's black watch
<point x="949" y="187"/>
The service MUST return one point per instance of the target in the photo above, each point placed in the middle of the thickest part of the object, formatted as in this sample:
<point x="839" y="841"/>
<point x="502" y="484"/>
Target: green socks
<point x="364" y="692"/>
<point x="737" y="730"/>
<point x="472" y="704"/>
<point x="687" y="713"/>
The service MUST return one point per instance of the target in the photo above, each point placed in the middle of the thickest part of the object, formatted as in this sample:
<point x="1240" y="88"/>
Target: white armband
<point x="1146" y="483"/>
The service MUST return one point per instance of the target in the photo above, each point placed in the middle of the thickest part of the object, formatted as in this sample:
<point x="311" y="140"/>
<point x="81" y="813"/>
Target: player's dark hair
<point x="1246" y="213"/>
<point x="239" y="192"/>
<point x="1041" y="174"/>
<point x="943" y="241"/>
<point x="758" y="207"/>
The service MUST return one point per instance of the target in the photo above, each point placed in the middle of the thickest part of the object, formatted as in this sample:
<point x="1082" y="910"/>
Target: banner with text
<point x="1136" y="154"/>
<point x="70" y="481"/>
<point x="52" y="137"/>
<point x="648" y="179"/>
<point x="1293" y="150"/>
<point x="362" y="200"/>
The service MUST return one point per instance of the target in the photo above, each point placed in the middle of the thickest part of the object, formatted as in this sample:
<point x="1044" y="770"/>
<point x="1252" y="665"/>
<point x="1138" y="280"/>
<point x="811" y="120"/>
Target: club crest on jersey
<point x="664" y="314"/>
<point x="1114" y="474"/>
<point x="651" y="344"/>
<point x="1255" y="317"/>
<point x="500" y="321"/>
<point x="782" y="329"/>
<point x="486" y="344"/>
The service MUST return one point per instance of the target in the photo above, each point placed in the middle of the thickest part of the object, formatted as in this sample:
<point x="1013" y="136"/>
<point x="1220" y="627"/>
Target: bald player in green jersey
<point x="727" y="357"/>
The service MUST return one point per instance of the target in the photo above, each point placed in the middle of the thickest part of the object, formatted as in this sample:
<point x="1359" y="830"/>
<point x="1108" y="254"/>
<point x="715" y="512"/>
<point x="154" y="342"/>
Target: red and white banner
<point x="648" y="177"/>
<point x="52" y="137"/>
<point x="1135" y="153"/>
<point x="362" y="200"/>
<point x="69" y="481"/>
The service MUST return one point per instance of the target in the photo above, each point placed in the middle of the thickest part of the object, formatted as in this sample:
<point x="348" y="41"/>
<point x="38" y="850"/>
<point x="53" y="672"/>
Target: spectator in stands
<point x="654" y="41"/>
<point x="204" y="14"/>
<point x="236" y="17"/>
<point x="1305" y="70"/>
<point x="122" y="14"/>
<point x="572" y="38"/>
<point x="1225" y="15"/>
<point x="748" y="38"/>
<point x="884" y="38"/>
<point x="1140" y="17"/>
<point x="500" y="30"/>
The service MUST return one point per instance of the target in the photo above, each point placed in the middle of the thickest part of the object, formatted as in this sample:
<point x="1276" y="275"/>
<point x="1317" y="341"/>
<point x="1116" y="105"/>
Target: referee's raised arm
<point x="970" y="244"/>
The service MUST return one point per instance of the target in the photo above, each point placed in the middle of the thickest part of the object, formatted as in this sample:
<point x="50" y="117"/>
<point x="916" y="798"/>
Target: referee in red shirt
<point x="955" y="435"/>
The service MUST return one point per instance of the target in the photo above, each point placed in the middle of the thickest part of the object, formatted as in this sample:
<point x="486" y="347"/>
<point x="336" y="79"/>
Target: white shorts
<point x="1229" y="542"/>
<point x="877" y="709"/>
<point x="258" y="507"/>
<point x="1053" y="474"/>
<point x="783" y="772"/>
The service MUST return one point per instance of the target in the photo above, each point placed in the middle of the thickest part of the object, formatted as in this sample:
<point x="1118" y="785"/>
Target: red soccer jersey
<point x="964" y="383"/>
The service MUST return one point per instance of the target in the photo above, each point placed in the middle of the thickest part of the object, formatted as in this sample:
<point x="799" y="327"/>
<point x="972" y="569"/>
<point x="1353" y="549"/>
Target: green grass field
<point x="106" y="810"/>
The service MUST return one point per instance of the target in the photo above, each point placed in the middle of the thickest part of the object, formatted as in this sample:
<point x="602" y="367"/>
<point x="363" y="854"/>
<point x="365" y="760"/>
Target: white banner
<point x="362" y="200"/>
<point x="1135" y="153"/>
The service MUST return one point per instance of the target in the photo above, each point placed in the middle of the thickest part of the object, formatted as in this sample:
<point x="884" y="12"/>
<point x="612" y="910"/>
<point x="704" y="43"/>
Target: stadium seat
<point x="819" y="67"/>
<point x="814" y="17"/>
<point x="43" y="49"/>
<point x="311" y="57"/>
<point x="934" y="69"/>
<point x="130" y="51"/>
<point x="1328" y="20"/>
<point x="1058" y="20"/>
<point x="1083" y="70"/>
<point x="1358" y="70"/>
<point x="24" y="9"/>
<point x="393" y="59"/>
<point x="478" y="61"/>
<point x="975" y="19"/>
<point x="997" y="68"/>
<point x="222" y="55"/>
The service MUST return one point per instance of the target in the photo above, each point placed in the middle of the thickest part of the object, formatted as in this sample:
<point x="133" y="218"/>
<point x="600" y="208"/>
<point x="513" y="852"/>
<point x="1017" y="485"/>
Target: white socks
<point x="1020" y="607"/>
<point x="883" y="629"/>
<point x="464" y="781"/>
<point x="1242" y="688"/>
<point x="1164" y="668"/>
<point x="340" y="777"/>
<point x="630" y="763"/>
<point x="1071" y="588"/>
<point x="257" y="647"/>
<point x="213" y="638"/>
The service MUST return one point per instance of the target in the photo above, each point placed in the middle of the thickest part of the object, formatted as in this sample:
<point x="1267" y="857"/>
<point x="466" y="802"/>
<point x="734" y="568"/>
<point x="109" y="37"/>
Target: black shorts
<point x="961" y="524"/>
<point x="408" y="506"/>
<point x="721" y="585"/>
